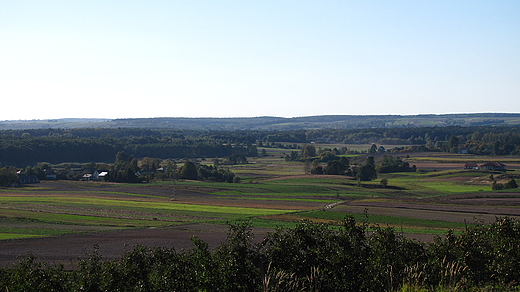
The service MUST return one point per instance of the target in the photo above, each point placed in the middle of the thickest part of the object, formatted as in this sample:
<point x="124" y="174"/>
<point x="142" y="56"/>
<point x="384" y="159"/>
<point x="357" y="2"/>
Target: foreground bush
<point x="309" y="257"/>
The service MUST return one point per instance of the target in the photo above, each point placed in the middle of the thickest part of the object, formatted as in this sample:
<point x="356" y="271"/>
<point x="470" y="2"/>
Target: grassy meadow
<point x="273" y="193"/>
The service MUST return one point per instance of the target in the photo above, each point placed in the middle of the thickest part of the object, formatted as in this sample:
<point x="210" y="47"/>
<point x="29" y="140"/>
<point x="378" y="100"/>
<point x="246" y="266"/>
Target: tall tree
<point x="124" y="169"/>
<point x="367" y="171"/>
<point x="122" y="156"/>
<point x="373" y="149"/>
<point x="307" y="167"/>
<point x="171" y="169"/>
<point x="8" y="176"/>
<point x="392" y="164"/>
<point x="337" y="167"/>
<point x="308" y="151"/>
<point x="453" y="144"/>
<point x="149" y="164"/>
<point x="188" y="170"/>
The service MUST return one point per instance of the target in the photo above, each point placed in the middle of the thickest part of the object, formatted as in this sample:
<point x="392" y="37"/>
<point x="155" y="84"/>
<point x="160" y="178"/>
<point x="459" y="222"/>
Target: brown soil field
<point x="69" y="249"/>
<point x="498" y="211"/>
<point x="491" y="201"/>
<point x="435" y="166"/>
<point x="423" y="212"/>
<point x="300" y="176"/>
<point x="479" y="206"/>
<point x="432" y="166"/>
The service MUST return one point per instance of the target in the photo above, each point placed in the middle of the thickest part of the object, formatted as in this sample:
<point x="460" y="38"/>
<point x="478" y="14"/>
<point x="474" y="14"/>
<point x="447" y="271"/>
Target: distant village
<point x="97" y="175"/>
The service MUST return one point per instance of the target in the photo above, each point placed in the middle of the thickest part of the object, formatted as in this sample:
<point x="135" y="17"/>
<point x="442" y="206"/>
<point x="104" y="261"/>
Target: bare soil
<point x="430" y="212"/>
<point x="498" y="206"/>
<point x="69" y="249"/>
<point x="435" y="166"/>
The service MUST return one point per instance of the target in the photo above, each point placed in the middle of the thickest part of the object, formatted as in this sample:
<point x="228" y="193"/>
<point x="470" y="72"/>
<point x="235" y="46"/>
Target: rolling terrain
<point x="62" y="221"/>
<point x="276" y="123"/>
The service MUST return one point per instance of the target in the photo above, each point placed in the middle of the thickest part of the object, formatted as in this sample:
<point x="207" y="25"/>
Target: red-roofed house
<point x="471" y="165"/>
<point x="492" y="166"/>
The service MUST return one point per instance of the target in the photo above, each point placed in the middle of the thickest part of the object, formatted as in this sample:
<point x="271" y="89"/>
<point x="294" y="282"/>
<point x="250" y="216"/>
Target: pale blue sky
<point x="123" y="59"/>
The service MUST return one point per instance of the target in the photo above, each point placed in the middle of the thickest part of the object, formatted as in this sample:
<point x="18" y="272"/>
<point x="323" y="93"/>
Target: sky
<point x="142" y="59"/>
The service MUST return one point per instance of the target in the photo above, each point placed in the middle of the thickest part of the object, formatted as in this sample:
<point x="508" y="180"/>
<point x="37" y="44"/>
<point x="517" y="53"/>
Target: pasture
<point x="273" y="193"/>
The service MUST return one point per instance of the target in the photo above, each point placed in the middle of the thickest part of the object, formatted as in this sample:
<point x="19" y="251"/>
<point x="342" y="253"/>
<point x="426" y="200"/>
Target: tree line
<point x="28" y="147"/>
<point x="308" y="257"/>
<point x="340" y="165"/>
<point x="18" y="151"/>
<point x="127" y="169"/>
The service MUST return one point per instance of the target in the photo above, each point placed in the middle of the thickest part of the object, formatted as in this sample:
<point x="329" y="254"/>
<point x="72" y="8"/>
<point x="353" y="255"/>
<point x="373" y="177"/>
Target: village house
<point x="492" y="166"/>
<point x="485" y="166"/>
<point x="91" y="176"/>
<point x="28" y="179"/>
<point x="471" y="165"/>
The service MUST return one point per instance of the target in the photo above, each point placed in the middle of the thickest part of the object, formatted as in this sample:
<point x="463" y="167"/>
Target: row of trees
<point x="27" y="147"/>
<point x="477" y="140"/>
<point x="309" y="151"/>
<point x="126" y="169"/>
<point x="365" y="171"/>
<point x="9" y="174"/>
<point x="194" y="171"/>
<point x="308" y="257"/>
<point x="400" y="135"/>
<point x="20" y="152"/>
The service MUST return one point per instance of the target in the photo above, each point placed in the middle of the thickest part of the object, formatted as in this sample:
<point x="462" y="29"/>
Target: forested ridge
<point x="101" y="145"/>
<point x="28" y="147"/>
<point x="277" y="123"/>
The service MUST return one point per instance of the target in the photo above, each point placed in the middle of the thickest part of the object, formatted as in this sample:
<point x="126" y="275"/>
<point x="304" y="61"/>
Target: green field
<point x="273" y="193"/>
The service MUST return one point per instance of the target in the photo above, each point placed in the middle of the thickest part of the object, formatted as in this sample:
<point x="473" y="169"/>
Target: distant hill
<point x="277" y="123"/>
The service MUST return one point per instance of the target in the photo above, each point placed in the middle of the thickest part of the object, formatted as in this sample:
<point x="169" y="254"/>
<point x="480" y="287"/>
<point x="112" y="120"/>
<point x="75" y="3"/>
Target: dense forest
<point x="28" y="147"/>
<point x="101" y="145"/>
<point x="308" y="257"/>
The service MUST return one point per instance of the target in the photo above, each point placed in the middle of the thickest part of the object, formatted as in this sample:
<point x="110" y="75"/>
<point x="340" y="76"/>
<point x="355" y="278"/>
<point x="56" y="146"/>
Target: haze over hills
<point x="276" y="123"/>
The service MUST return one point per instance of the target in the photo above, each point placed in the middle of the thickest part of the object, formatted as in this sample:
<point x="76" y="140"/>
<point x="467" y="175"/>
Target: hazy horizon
<point x="261" y="116"/>
<point x="135" y="59"/>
